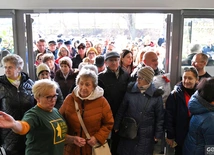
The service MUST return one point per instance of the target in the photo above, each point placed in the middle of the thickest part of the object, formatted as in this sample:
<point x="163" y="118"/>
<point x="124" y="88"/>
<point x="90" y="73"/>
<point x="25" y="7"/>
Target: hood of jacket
<point x="198" y="105"/>
<point x="98" y="92"/>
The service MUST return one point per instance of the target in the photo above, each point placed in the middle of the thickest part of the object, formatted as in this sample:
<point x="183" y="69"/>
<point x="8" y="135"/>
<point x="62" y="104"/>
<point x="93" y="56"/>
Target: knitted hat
<point x="147" y="73"/>
<point x="67" y="61"/>
<point x="91" y="49"/>
<point x="42" y="67"/>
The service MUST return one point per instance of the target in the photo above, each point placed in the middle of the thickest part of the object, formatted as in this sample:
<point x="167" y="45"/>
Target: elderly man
<point x="114" y="81"/>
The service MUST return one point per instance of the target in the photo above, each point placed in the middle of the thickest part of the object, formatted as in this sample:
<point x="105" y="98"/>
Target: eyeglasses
<point x="140" y="78"/>
<point x="91" y="53"/>
<point x="51" y="98"/>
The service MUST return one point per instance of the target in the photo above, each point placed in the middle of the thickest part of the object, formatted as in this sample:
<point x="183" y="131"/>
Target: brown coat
<point x="97" y="117"/>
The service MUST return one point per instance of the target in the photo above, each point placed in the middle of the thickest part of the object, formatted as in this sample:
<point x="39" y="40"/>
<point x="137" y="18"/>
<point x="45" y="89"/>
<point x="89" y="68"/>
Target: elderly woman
<point x="43" y="124"/>
<point x="43" y="72"/>
<point x="94" y="109"/>
<point x="142" y="103"/>
<point x="15" y="99"/>
<point x="177" y="114"/>
<point x="66" y="76"/>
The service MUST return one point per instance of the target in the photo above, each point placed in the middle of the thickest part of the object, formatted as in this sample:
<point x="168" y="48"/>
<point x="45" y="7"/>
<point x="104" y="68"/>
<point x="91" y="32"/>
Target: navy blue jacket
<point x="201" y="130"/>
<point x="151" y="124"/>
<point x="176" y="116"/>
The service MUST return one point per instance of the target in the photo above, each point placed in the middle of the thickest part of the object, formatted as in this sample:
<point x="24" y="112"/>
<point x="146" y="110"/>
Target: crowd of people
<point x="107" y="85"/>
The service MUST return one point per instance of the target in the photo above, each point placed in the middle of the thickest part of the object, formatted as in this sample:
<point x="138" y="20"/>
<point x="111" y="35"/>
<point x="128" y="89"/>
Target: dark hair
<point x="193" y="70"/>
<point x="123" y="54"/>
<point x="206" y="89"/>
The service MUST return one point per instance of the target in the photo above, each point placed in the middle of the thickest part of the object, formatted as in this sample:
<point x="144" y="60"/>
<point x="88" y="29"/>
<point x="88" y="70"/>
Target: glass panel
<point x="198" y="37"/>
<point x="133" y="31"/>
<point x="6" y="35"/>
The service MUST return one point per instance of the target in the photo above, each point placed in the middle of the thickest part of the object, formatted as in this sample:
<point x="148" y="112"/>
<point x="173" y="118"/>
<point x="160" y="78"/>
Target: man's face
<point x="151" y="60"/>
<point x="52" y="47"/>
<point x="112" y="63"/>
<point x="198" y="62"/>
<point x="41" y="46"/>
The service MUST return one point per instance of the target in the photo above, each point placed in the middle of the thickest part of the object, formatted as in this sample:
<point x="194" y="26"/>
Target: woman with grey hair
<point x="95" y="111"/>
<point x="15" y="99"/>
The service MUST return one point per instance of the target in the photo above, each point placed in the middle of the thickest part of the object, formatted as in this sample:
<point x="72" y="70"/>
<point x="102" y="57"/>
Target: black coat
<point x="15" y="102"/>
<point x="147" y="109"/>
<point x="176" y="116"/>
<point x="114" y="88"/>
<point x="65" y="84"/>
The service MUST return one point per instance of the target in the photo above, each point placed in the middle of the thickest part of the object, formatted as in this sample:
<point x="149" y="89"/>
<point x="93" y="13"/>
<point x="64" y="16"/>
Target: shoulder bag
<point x="98" y="149"/>
<point x="2" y="151"/>
<point x="128" y="127"/>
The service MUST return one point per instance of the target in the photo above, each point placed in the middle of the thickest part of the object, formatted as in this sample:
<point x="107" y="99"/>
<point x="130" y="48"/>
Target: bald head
<point x="150" y="59"/>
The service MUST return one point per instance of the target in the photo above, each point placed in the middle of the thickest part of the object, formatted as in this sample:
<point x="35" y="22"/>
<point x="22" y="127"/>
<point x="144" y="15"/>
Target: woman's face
<point x="11" y="71"/>
<point x="64" y="52"/>
<point x="86" y="86"/>
<point x="65" y="69"/>
<point x="141" y="82"/>
<point x="91" y="55"/>
<point x="50" y="64"/>
<point x="127" y="60"/>
<point x="48" y="100"/>
<point x="189" y="80"/>
<point x="44" y="75"/>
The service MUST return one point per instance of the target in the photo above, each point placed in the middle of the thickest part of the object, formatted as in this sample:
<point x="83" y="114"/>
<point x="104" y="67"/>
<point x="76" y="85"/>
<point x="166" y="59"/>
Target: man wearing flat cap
<point x="114" y="81"/>
<point x="52" y="48"/>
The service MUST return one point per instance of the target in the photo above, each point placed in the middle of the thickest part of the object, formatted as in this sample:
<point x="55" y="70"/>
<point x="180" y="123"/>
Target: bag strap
<point x="144" y="110"/>
<point x="81" y="121"/>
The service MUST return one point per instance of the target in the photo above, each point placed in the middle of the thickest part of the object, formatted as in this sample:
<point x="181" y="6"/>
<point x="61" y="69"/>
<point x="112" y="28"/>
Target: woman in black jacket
<point x="15" y="99"/>
<point x="177" y="115"/>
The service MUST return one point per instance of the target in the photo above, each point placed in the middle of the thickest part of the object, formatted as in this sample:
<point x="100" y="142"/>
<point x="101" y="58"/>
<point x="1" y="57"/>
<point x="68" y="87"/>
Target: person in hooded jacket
<point x="95" y="111"/>
<point x="15" y="99"/>
<point x="144" y="103"/>
<point x="201" y="106"/>
<point x="177" y="115"/>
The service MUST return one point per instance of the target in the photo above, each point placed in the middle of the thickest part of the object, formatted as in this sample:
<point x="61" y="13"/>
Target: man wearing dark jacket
<point x="114" y="81"/>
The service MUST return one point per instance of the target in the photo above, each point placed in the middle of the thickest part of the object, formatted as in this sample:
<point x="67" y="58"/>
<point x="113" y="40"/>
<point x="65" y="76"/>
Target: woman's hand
<point x="6" y="121"/>
<point x="92" y="141"/>
<point x="170" y="142"/>
<point x="79" y="141"/>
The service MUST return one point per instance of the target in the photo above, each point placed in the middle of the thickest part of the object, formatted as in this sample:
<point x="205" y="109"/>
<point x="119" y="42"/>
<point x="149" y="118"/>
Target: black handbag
<point x="129" y="127"/>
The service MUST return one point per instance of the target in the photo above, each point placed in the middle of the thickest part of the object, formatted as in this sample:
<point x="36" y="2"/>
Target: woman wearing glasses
<point x="43" y="125"/>
<point x="15" y="99"/>
<point x="177" y="114"/>
<point x="43" y="72"/>
<point x="143" y="103"/>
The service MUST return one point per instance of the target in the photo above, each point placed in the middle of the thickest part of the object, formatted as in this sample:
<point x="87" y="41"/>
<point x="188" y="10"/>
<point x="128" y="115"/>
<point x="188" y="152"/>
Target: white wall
<point x="106" y="4"/>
